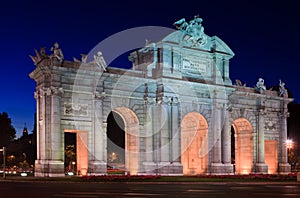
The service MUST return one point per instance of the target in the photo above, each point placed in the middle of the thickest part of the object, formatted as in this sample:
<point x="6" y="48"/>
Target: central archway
<point x="115" y="141"/>
<point x="194" y="144"/>
<point x="123" y="139"/>
<point x="244" y="146"/>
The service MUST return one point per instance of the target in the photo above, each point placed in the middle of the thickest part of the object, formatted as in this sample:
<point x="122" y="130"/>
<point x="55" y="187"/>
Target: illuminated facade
<point x="181" y="113"/>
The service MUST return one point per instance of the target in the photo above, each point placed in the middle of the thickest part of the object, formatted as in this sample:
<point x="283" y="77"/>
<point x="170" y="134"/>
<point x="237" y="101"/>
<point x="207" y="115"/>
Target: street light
<point x="289" y="146"/>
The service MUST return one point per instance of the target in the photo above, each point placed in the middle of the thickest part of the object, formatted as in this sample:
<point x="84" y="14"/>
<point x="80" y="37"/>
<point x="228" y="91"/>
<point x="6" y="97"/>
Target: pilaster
<point x="284" y="166"/>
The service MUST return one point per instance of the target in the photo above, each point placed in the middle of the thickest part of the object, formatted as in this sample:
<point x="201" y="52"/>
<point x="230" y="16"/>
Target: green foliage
<point x="7" y="131"/>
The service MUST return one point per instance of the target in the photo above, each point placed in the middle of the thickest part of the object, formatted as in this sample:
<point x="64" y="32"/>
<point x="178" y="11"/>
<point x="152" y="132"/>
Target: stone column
<point x="175" y="148"/>
<point x="56" y="163"/>
<point x="284" y="166"/>
<point x="104" y="146"/>
<point x="98" y="163"/>
<point x="261" y="167"/>
<point x="149" y="165"/>
<point x="50" y="141"/>
<point x="156" y="115"/>
<point x="226" y="143"/>
<point x="41" y="164"/>
<point x="216" y="165"/>
<point x="37" y="97"/>
<point x="165" y="109"/>
<point x="217" y="135"/>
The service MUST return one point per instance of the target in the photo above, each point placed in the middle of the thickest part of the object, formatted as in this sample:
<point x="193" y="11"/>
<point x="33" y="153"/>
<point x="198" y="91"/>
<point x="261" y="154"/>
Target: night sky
<point x="264" y="35"/>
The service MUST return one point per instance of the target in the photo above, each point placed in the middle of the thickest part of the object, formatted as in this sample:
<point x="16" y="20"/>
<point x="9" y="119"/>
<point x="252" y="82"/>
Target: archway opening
<point x="271" y="156"/>
<point x="76" y="146"/>
<point x="70" y="153"/>
<point x="115" y="141"/>
<point x="127" y="120"/>
<point x="243" y="155"/>
<point x="194" y="144"/>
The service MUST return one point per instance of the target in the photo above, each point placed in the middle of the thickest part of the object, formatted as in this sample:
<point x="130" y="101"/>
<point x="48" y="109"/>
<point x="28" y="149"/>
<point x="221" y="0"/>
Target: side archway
<point x="194" y="144"/>
<point x="131" y="140"/>
<point x="243" y="154"/>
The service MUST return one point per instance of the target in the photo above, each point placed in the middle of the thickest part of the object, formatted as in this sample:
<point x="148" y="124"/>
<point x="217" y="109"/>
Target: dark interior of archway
<point x="70" y="152"/>
<point x="115" y="140"/>
<point x="232" y="146"/>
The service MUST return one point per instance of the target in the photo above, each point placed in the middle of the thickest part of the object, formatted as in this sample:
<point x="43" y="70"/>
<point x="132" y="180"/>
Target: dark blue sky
<point x="262" y="34"/>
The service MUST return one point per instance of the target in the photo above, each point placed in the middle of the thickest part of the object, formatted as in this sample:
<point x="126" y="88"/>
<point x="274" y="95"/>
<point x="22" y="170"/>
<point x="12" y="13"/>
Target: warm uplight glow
<point x="243" y="146"/>
<point x="289" y="143"/>
<point x="271" y="155"/>
<point x="194" y="144"/>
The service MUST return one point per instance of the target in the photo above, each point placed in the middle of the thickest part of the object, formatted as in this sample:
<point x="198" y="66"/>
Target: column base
<point x="284" y="168"/>
<point x="221" y="169"/>
<point x="228" y="169"/>
<point x="97" y="168"/>
<point x="261" y="168"/>
<point x="49" y="168"/>
<point x="216" y="169"/>
<point x="162" y="168"/>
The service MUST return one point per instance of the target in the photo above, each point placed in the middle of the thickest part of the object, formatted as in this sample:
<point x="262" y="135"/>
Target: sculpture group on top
<point x="57" y="56"/>
<point x="260" y="87"/>
<point x="194" y="31"/>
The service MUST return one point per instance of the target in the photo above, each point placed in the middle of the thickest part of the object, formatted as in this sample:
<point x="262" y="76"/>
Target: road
<point x="31" y="189"/>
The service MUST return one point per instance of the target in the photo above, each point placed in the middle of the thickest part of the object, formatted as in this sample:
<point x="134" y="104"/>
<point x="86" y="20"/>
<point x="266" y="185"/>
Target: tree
<point x="7" y="131"/>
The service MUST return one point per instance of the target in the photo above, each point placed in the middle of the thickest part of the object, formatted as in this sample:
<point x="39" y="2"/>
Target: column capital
<point x="284" y="115"/>
<point x="218" y="106"/>
<point x="49" y="91"/>
<point x="100" y="96"/>
<point x="104" y="124"/>
<point x="58" y="91"/>
<point x="37" y="95"/>
<point x="261" y="112"/>
<point x="149" y="100"/>
<point x="169" y="100"/>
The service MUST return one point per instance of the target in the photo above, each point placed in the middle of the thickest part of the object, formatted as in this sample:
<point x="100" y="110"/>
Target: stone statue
<point x="194" y="31"/>
<point x="181" y="24"/>
<point x="83" y="58"/>
<point x="260" y="86"/>
<point x="39" y="56"/>
<point x="282" y="89"/>
<point x="147" y="42"/>
<point x="99" y="60"/>
<point x="76" y="60"/>
<point x="239" y="83"/>
<point x="57" y="53"/>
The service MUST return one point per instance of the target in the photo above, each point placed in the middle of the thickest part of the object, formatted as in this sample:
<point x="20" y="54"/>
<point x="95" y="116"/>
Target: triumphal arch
<point x="176" y="112"/>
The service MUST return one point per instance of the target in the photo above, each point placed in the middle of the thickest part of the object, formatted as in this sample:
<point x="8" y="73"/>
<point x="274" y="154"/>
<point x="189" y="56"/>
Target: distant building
<point x="25" y="131"/>
<point x="178" y="105"/>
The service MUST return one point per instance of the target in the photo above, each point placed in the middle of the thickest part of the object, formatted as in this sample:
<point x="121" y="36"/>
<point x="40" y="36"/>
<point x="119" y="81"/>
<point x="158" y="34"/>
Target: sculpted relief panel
<point x="71" y="109"/>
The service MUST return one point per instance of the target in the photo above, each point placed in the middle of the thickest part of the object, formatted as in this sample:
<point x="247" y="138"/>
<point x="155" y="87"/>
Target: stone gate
<point x="182" y="114"/>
